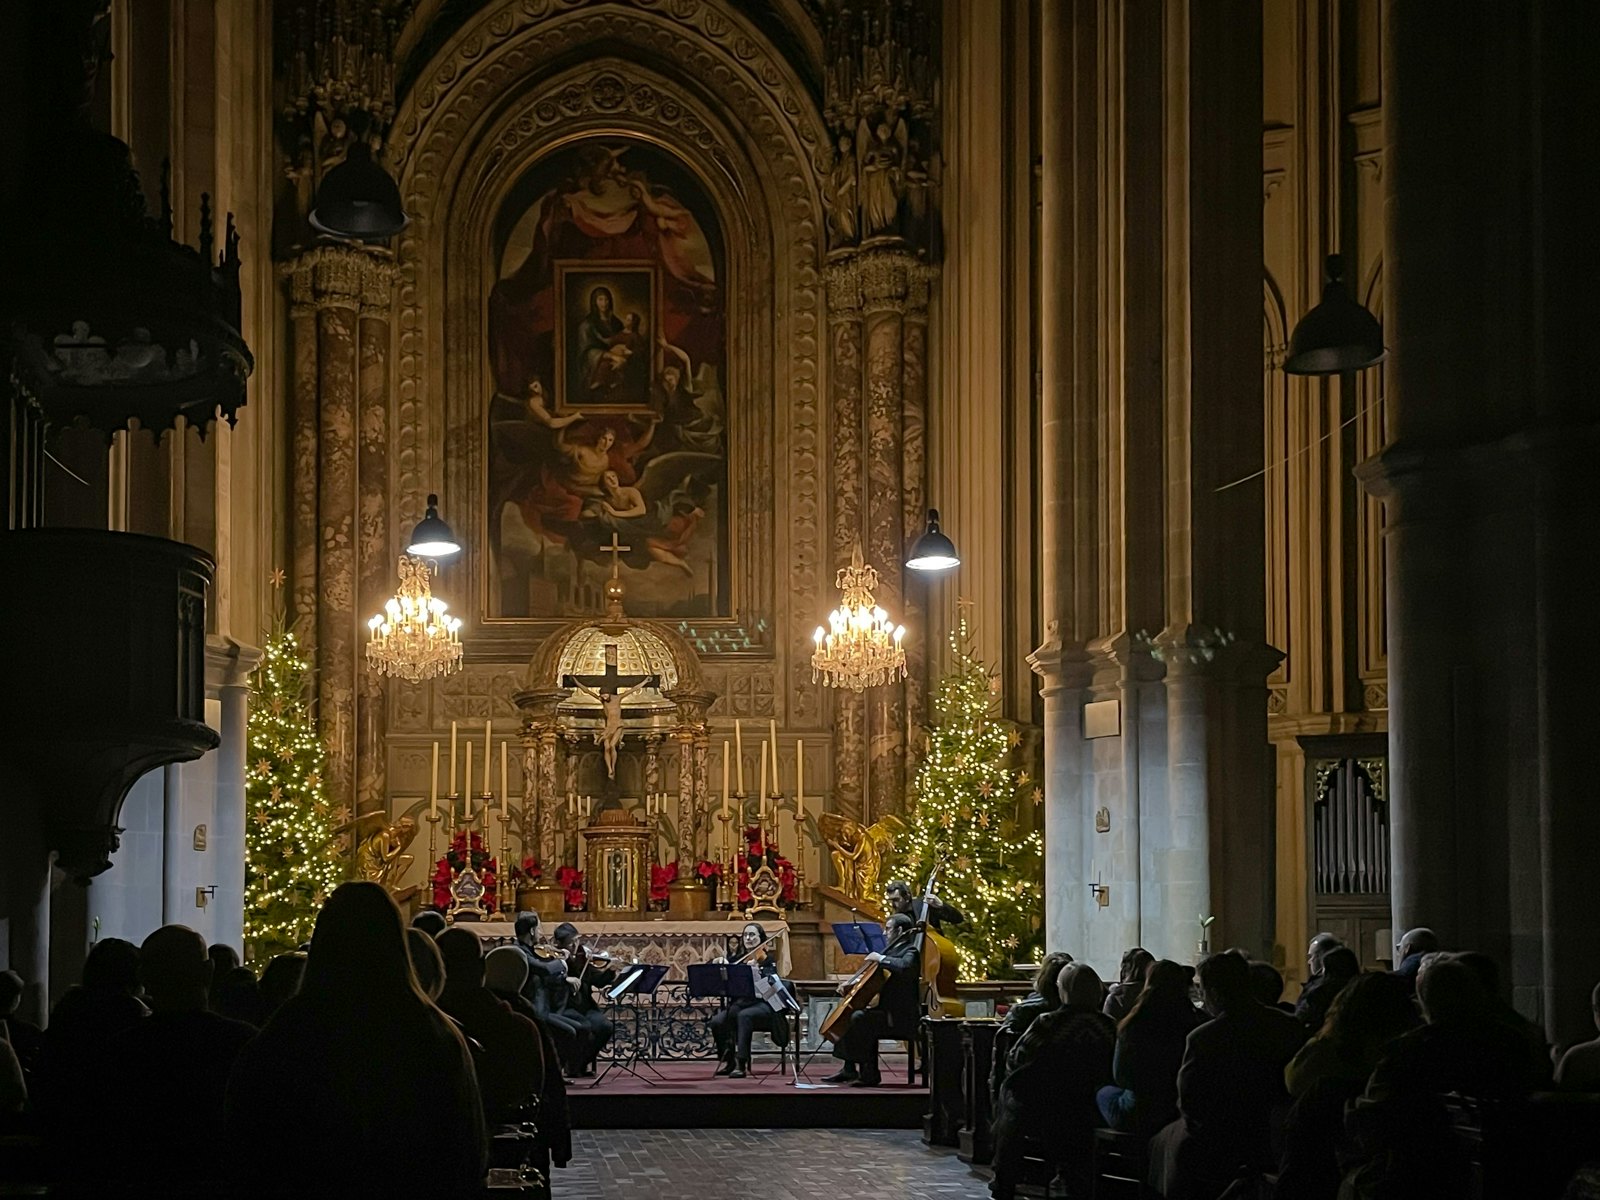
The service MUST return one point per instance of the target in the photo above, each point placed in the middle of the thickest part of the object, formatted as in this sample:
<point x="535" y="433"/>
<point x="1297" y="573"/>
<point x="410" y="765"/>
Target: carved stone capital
<point x="339" y="275"/>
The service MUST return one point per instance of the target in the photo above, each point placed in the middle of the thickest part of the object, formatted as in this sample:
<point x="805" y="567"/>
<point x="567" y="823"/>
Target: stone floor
<point x="774" y="1164"/>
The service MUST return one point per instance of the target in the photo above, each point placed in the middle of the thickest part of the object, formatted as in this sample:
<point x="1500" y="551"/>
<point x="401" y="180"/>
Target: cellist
<point x="896" y="1012"/>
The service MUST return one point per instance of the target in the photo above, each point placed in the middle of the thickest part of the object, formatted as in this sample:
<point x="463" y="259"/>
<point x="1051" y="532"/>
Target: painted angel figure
<point x="609" y="736"/>
<point x="882" y="172"/>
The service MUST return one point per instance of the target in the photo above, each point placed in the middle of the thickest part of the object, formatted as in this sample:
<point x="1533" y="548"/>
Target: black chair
<point x="1121" y="1165"/>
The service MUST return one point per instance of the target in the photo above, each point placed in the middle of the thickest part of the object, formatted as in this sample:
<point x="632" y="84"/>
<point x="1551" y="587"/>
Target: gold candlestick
<point x="433" y="817"/>
<point x="799" y="858"/>
<point x="730" y="877"/>
<point x="503" y="876"/>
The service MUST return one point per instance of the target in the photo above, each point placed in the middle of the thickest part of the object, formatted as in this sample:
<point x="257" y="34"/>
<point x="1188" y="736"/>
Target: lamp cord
<point x="1343" y="425"/>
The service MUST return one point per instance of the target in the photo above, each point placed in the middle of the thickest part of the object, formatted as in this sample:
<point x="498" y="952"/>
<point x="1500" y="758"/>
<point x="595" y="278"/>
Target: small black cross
<point x="611" y="682"/>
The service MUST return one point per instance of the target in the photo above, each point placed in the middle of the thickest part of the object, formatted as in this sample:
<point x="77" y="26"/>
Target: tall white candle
<point x="772" y="736"/>
<point x="800" y="781"/>
<point x="486" y="755"/>
<point x="468" y="792"/>
<point x="724" y="777"/>
<point x="452" y="758"/>
<point x="763" y="776"/>
<point x="433" y="786"/>
<point x="738" y="756"/>
<point x="505" y="792"/>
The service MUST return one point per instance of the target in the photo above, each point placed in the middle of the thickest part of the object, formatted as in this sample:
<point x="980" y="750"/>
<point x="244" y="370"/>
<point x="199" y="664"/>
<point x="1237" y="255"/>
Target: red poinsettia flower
<point x="708" y="870"/>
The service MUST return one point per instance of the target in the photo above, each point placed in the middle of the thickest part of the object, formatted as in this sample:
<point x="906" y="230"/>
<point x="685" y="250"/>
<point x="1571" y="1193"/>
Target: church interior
<point x="933" y="597"/>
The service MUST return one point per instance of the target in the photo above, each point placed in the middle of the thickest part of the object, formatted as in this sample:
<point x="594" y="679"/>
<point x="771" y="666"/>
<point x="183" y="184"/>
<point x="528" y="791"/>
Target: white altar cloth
<point x="677" y="944"/>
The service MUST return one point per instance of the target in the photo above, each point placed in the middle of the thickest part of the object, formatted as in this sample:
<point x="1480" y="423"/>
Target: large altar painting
<point x="607" y="414"/>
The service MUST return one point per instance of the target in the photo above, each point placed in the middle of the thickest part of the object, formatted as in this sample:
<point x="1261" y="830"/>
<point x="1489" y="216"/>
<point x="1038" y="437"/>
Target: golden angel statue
<point x="860" y="854"/>
<point x="380" y="851"/>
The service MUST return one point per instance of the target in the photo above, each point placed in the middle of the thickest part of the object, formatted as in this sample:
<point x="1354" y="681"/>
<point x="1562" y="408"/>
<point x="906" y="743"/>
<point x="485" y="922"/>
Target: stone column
<point x="699" y="841"/>
<point x="303" y="456"/>
<point x="228" y="668"/>
<point x="914" y="507"/>
<point x="844" y="386"/>
<point x="550" y="802"/>
<point x="376" y="565"/>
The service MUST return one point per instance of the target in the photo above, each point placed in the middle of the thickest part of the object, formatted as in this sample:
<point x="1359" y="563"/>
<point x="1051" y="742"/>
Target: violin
<point x="549" y="953"/>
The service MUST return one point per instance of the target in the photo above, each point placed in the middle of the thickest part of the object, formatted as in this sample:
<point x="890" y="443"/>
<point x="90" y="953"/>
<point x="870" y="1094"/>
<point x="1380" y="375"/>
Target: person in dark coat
<point x="1150" y="1046"/>
<point x="504" y="972"/>
<point x="895" y="1013"/>
<point x="1337" y="967"/>
<point x="1230" y="1088"/>
<point x="582" y="977"/>
<point x="1045" y="997"/>
<point x="1055" y="1071"/>
<point x="1414" y="946"/>
<point x="358" y="1083"/>
<point x="734" y="1026"/>
<point x="547" y="991"/>
<point x="1130" y="982"/>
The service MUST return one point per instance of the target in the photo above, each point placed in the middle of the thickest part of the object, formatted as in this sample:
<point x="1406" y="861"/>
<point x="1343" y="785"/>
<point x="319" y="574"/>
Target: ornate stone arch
<point x="515" y="81"/>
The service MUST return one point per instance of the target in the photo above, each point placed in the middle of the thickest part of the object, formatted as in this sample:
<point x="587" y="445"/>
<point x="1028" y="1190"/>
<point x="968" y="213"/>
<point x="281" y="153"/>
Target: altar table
<point x="676" y="944"/>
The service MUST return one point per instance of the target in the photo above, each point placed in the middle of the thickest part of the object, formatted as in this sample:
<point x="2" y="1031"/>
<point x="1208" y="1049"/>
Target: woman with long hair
<point x="358" y="1085"/>
<point x="1046" y="997"/>
<point x="1150" y="1043"/>
<point x="1130" y="982"/>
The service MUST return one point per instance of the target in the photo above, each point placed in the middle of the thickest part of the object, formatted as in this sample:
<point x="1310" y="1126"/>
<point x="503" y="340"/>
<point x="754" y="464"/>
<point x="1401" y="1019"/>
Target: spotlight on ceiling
<point x="432" y="538"/>
<point x="358" y="199"/>
<point x="1337" y="335"/>
<point x="933" y="551"/>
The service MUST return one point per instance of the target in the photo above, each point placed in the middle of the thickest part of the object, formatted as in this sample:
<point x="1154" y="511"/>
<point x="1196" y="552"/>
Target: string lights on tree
<point x="971" y="806"/>
<point x="291" y="852"/>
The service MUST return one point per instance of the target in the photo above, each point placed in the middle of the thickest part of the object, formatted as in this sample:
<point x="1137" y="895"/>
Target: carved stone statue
<point x="841" y="196"/>
<point x="860" y="854"/>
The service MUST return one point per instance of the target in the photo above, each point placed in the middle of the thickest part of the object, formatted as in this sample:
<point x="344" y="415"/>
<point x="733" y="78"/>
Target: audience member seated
<point x="359" y="1082"/>
<point x="1056" y="1069"/>
<point x="1330" y="1072"/>
<point x="281" y="980"/>
<point x="1488" y="975"/>
<point x="88" y="1020"/>
<point x="431" y="921"/>
<point x="25" y="1037"/>
<point x="1336" y="966"/>
<point x="1266" y="984"/>
<point x="504" y="971"/>
<point x="1045" y="997"/>
<point x="168" y="1076"/>
<point x="425" y="961"/>
<point x="13" y="1089"/>
<point x="1316" y="955"/>
<point x="511" y="1067"/>
<point x="224" y="958"/>
<point x="1230" y="1088"/>
<point x="1130" y="981"/>
<point x="1579" y="1068"/>
<point x="1150" y="1046"/>
<point x="1406" y="1143"/>
<point x="1413" y="945"/>
<point x="239" y="996"/>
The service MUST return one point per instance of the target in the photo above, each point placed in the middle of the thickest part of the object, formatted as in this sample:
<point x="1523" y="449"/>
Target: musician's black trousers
<point x="599" y="1031"/>
<point x="570" y="1037"/>
<point x="859" y="1045"/>
<point x="743" y="1016"/>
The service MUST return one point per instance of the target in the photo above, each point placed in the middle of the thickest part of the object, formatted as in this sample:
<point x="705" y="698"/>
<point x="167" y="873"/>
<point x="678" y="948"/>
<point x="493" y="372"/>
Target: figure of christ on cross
<point x="610" y="688"/>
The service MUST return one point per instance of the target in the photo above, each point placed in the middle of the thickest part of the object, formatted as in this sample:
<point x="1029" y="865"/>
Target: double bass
<point x="938" y="960"/>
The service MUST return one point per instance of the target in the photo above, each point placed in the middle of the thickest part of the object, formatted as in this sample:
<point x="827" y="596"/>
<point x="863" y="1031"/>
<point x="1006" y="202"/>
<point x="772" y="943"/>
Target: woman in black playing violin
<point x="732" y="1028"/>
<point x="586" y="970"/>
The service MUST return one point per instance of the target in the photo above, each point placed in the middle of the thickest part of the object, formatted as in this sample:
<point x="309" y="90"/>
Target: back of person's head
<point x="224" y="958"/>
<point x="425" y="961"/>
<point x="175" y="969"/>
<point x="1369" y="1012"/>
<point x="1266" y="983"/>
<point x="1450" y="993"/>
<point x="358" y="957"/>
<point x="1080" y="986"/>
<point x="431" y="921"/>
<point x="1484" y="967"/>
<point x="1134" y="964"/>
<point x="898" y="925"/>
<point x="237" y="995"/>
<point x="1418" y="941"/>
<point x="112" y="965"/>
<point x="1165" y="995"/>
<point x="566" y="933"/>
<point x="527" y="926"/>
<point x="281" y="979"/>
<point x="1340" y="962"/>
<point x="463" y="958"/>
<point x="505" y="969"/>
<point x="1225" y="980"/>
<point x="1317" y="951"/>
<point x="1048" y="975"/>
<point x="10" y="992"/>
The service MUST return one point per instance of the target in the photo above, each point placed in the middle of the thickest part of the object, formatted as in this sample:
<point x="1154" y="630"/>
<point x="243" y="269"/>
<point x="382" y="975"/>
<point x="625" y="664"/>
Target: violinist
<point x="587" y="969"/>
<point x="895" y="1014"/>
<point x="546" y="989"/>
<point x="732" y="1028"/>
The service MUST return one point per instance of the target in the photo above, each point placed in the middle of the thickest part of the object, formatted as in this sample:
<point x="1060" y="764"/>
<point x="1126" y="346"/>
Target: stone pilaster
<point x="375" y="562"/>
<point x="844" y="388"/>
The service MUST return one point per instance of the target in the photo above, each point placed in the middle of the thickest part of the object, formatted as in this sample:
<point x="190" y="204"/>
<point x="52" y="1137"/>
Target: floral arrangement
<point x="661" y="880"/>
<point x="526" y="873"/>
<point x="465" y="849"/>
<point x="571" y="879"/>
<point x="756" y="853"/>
<point x="708" y="872"/>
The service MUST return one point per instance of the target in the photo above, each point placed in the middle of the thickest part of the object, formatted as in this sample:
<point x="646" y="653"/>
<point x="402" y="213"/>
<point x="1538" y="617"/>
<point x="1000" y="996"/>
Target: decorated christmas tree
<point x="971" y="806"/>
<point x="291" y="851"/>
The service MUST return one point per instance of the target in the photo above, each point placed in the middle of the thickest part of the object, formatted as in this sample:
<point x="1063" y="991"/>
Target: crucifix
<point x="611" y="687"/>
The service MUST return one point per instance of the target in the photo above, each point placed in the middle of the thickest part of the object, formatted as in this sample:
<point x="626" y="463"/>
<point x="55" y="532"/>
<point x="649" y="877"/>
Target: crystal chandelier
<point x="413" y="638"/>
<point x="861" y="646"/>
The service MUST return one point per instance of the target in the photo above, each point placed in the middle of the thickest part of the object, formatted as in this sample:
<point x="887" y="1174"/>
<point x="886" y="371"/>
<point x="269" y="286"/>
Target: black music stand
<point x="725" y="981"/>
<point x="637" y="979"/>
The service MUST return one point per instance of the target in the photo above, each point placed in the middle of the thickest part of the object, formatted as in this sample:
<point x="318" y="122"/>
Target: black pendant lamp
<point x="432" y="538"/>
<point x="358" y="199"/>
<point x="1337" y="335"/>
<point x="933" y="551"/>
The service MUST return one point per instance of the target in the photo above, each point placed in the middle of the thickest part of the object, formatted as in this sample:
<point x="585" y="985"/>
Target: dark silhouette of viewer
<point x="1150" y="1044"/>
<point x="169" y="1073"/>
<point x="1130" y="982"/>
<point x="1045" y="997"/>
<point x="280" y="980"/>
<point x="359" y="1085"/>
<point x="1229" y="1087"/>
<point x="511" y="1067"/>
<point x="88" y="1020"/>
<point x="25" y="1037"/>
<point x="504" y="973"/>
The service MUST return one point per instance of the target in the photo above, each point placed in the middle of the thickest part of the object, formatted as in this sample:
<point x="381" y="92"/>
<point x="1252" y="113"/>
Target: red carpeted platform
<point x="683" y="1095"/>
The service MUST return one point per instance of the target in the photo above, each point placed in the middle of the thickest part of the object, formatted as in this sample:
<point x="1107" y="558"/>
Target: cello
<point x="938" y="959"/>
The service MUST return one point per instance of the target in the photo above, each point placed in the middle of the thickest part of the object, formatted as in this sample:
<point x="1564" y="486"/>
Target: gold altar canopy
<point x="614" y="706"/>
